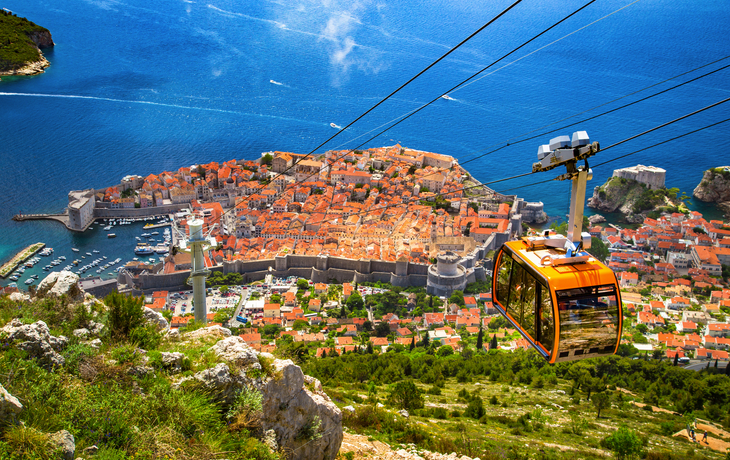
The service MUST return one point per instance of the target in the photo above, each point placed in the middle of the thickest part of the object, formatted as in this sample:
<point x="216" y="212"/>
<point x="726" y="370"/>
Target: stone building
<point x="447" y="275"/>
<point x="81" y="205"/>
<point x="649" y="175"/>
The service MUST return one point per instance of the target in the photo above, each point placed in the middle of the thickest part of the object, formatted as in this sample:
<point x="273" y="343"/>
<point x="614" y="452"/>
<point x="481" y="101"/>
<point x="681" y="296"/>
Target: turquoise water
<point x="137" y="87"/>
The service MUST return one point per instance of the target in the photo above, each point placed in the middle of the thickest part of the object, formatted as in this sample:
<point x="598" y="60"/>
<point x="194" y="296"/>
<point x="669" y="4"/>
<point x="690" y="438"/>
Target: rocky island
<point x="715" y="187"/>
<point x="21" y="42"/>
<point x="636" y="192"/>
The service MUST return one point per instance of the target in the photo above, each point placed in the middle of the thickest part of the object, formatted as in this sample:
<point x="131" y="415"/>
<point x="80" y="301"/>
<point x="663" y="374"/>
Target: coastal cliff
<point x="715" y="188"/>
<point x="632" y="198"/>
<point x="715" y="185"/>
<point x="21" y="42"/>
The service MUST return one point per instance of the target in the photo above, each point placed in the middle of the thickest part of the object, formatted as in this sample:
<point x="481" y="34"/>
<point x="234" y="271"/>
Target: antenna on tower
<point x="195" y="244"/>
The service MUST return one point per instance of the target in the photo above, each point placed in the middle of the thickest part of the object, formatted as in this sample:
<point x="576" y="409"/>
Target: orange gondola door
<point x="523" y="296"/>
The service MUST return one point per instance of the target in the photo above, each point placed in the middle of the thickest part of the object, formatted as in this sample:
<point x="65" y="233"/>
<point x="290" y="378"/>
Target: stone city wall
<point x="116" y="213"/>
<point x="320" y="269"/>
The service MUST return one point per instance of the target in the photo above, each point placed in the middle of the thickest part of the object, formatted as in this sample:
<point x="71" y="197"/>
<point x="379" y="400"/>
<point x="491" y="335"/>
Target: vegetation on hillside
<point x="100" y="402"/>
<point x="618" y="191"/>
<point x="16" y="47"/>
<point x="500" y="405"/>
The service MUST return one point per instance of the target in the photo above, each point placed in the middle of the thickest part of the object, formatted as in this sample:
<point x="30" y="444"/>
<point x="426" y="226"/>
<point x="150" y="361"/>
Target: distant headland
<point x="21" y="42"/>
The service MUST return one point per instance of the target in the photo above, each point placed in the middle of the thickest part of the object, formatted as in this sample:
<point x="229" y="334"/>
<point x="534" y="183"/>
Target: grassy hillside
<point x="16" y="47"/>
<point x="515" y="406"/>
<point x="98" y="398"/>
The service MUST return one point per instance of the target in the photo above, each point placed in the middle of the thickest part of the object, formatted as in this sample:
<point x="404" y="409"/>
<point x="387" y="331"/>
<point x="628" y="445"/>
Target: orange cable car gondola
<point x="564" y="302"/>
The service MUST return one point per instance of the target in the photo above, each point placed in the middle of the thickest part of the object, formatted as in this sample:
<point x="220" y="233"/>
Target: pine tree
<point x="480" y="338"/>
<point x="493" y="344"/>
<point x="413" y="343"/>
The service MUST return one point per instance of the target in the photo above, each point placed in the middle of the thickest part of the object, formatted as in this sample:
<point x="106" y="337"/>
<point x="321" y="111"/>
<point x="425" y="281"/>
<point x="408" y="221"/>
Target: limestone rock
<point x="297" y="415"/>
<point x="37" y="341"/>
<point x="19" y="297"/>
<point x="235" y="350"/>
<point x="403" y="413"/>
<point x="221" y="382"/>
<point x="173" y="334"/>
<point x="306" y="424"/>
<point x="63" y="441"/>
<point x="91" y="450"/>
<point x="81" y="333"/>
<point x="596" y="219"/>
<point x="715" y="185"/>
<point x="155" y="318"/>
<point x="96" y="343"/>
<point x="41" y="38"/>
<point x="59" y="283"/>
<point x="10" y="407"/>
<point x="172" y="361"/>
<point x="215" y="331"/>
<point x="95" y="328"/>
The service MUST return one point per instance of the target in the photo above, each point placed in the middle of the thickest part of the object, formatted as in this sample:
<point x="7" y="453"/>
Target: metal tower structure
<point x="564" y="151"/>
<point x="195" y="244"/>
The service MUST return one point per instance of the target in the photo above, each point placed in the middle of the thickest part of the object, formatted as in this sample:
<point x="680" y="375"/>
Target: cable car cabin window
<point x="588" y="319"/>
<point x="521" y="304"/>
<point x="545" y="318"/>
<point x="505" y="268"/>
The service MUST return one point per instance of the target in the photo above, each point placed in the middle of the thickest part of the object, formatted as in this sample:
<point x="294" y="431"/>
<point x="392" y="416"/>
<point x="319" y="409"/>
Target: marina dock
<point x="19" y="258"/>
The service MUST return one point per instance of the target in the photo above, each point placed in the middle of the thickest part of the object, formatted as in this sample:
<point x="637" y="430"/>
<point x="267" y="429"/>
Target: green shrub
<point x="146" y="336"/>
<point x="125" y="314"/>
<point x="475" y="409"/>
<point x="127" y="353"/>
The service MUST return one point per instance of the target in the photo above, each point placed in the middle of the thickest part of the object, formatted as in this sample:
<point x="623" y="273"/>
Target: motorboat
<point x="144" y="250"/>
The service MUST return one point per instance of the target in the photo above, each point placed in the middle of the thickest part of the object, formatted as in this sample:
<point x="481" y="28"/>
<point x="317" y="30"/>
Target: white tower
<point x="195" y="245"/>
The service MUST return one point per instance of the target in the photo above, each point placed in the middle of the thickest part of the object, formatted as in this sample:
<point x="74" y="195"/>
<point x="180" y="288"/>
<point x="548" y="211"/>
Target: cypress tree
<point x="715" y="363"/>
<point x="480" y="338"/>
<point x="343" y="312"/>
<point x="413" y="343"/>
<point x="676" y="358"/>
<point x="324" y="353"/>
<point x="430" y="303"/>
<point x="727" y="369"/>
<point x="493" y="344"/>
<point x="425" y="340"/>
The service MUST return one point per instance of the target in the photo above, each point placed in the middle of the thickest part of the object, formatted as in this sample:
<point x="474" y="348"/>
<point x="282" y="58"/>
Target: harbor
<point x="20" y="258"/>
<point x="90" y="253"/>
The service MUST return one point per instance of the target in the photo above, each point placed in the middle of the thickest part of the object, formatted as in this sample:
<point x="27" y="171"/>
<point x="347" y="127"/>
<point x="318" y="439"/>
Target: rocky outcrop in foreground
<point x="299" y="416"/>
<point x="10" y="407"/>
<point x="715" y="185"/>
<point x="37" y="341"/>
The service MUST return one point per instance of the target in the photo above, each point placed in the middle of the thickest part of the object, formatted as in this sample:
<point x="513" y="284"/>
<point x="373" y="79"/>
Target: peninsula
<point x="21" y="42"/>
<point x="635" y="192"/>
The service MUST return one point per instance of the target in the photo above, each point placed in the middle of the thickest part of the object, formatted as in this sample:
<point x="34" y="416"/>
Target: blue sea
<point x="138" y="87"/>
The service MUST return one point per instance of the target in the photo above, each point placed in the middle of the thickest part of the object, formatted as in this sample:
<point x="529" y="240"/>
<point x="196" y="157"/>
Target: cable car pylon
<point x="563" y="301"/>
<point x="195" y="244"/>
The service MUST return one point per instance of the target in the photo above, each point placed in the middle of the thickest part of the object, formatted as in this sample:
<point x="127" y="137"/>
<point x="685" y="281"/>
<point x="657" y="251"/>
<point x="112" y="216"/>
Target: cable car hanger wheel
<point x="563" y="301"/>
